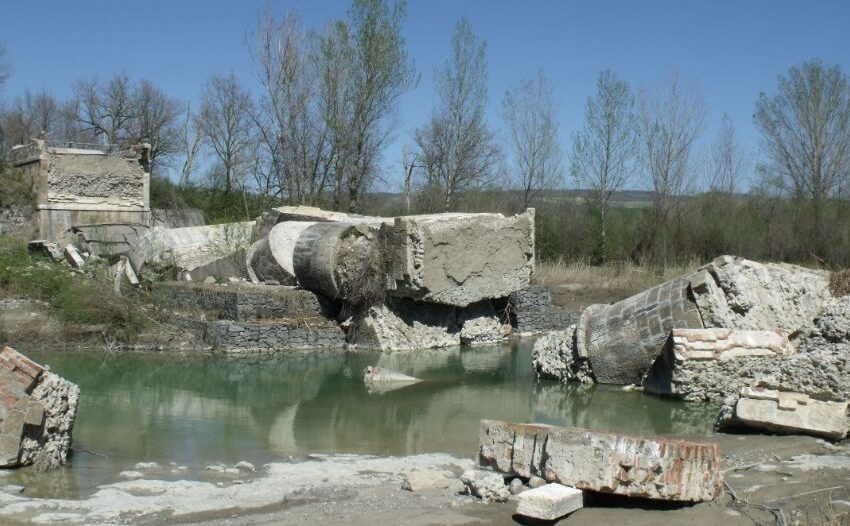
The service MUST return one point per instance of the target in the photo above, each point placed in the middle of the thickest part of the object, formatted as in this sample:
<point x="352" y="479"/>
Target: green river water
<point x="196" y="410"/>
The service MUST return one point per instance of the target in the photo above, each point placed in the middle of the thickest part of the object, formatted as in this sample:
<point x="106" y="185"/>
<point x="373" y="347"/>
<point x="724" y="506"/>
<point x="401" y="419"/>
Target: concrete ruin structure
<point x="84" y="185"/>
<point x="619" y="343"/>
<point x="652" y="468"/>
<point x="37" y="412"/>
<point x="436" y="280"/>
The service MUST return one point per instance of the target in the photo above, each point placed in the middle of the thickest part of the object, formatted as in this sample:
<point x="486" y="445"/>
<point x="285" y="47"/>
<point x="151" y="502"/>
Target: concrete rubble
<point x="485" y="485"/>
<point x="37" y="412"/>
<point x="762" y="408"/>
<point x="554" y="357"/>
<point x="708" y="364"/>
<point x="620" y="342"/>
<point x="652" y="468"/>
<point x="550" y="502"/>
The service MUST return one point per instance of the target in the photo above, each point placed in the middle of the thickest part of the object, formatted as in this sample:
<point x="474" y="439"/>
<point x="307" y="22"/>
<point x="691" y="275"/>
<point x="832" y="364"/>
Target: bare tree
<point x="604" y="149"/>
<point x="334" y="57"/>
<point x="155" y="117"/>
<point x="408" y="165"/>
<point x="671" y="119"/>
<point x="191" y="145"/>
<point x="456" y="147"/>
<point x="5" y="67"/>
<point x="31" y="116"/>
<point x="529" y="113"/>
<point x="294" y="136"/>
<point x="106" y="110"/>
<point x="379" y="74"/>
<point x="805" y="128"/>
<point x="729" y="161"/>
<point x="224" y="120"/>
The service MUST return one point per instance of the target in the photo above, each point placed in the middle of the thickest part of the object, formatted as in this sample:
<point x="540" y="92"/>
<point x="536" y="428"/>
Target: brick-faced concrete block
<point x="650" y="467"/>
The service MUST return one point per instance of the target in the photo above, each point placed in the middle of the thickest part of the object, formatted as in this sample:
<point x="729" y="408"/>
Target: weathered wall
<point x="99" y="179"/>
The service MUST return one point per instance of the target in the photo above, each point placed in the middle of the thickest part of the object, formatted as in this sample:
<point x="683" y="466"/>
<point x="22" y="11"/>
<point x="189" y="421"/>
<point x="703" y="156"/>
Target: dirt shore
<point x="770" y="480"/>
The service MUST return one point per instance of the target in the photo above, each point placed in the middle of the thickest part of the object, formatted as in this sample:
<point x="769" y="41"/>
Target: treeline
<point x="316" y="126"/>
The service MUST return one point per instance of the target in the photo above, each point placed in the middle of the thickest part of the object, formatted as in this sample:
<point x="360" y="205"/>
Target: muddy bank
<point x="769" y="480"/>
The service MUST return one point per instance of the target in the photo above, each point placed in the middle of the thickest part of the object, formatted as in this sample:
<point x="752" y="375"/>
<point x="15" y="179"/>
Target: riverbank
<point x="782" y="480"/>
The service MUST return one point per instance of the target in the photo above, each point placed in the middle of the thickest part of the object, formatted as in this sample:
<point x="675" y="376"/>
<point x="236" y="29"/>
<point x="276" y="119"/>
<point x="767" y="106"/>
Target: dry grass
<point x="617" y="277"/>
<point x="839" y="282"/>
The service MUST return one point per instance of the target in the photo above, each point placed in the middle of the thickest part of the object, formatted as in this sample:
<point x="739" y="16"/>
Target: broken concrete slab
<point x="107" y="241"/>
<point x="37" y="412"/>
<point x="48" y="248"/>
<point x="648" y="467"/>
<point x="459" y="259"/>
<point x="124" y="277"/>
<point x="711" y="364"/>
<point x="759" y="407"/>
<point x="739" y="293"/>
<point x="172" y="251"/>
<point x="73" y="257"/>
<point x="550" y="502"/>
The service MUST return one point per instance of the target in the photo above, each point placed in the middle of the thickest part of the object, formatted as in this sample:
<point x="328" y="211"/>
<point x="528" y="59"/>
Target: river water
<point x="196" y="410"/>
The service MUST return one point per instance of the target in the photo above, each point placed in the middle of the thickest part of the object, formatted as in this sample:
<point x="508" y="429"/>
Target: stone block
<point x="711" y="364"/>
<point x="787" y="412"/>
<point x="426" y="479"/>
<point x="550" y="502"/>
<point x="648" y="467"/>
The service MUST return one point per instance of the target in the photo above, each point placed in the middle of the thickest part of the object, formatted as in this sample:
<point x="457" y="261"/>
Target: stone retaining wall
<point x="532" y="311"/>
<point x="245" y="302"/>
<point x="273" y="336"/>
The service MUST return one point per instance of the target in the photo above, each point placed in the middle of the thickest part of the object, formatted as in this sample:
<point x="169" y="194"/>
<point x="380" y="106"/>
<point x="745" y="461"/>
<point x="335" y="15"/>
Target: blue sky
<point x="734" y="49"/>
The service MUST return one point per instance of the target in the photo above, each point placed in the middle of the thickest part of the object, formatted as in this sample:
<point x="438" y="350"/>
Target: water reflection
<point x="197" y="410"/>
